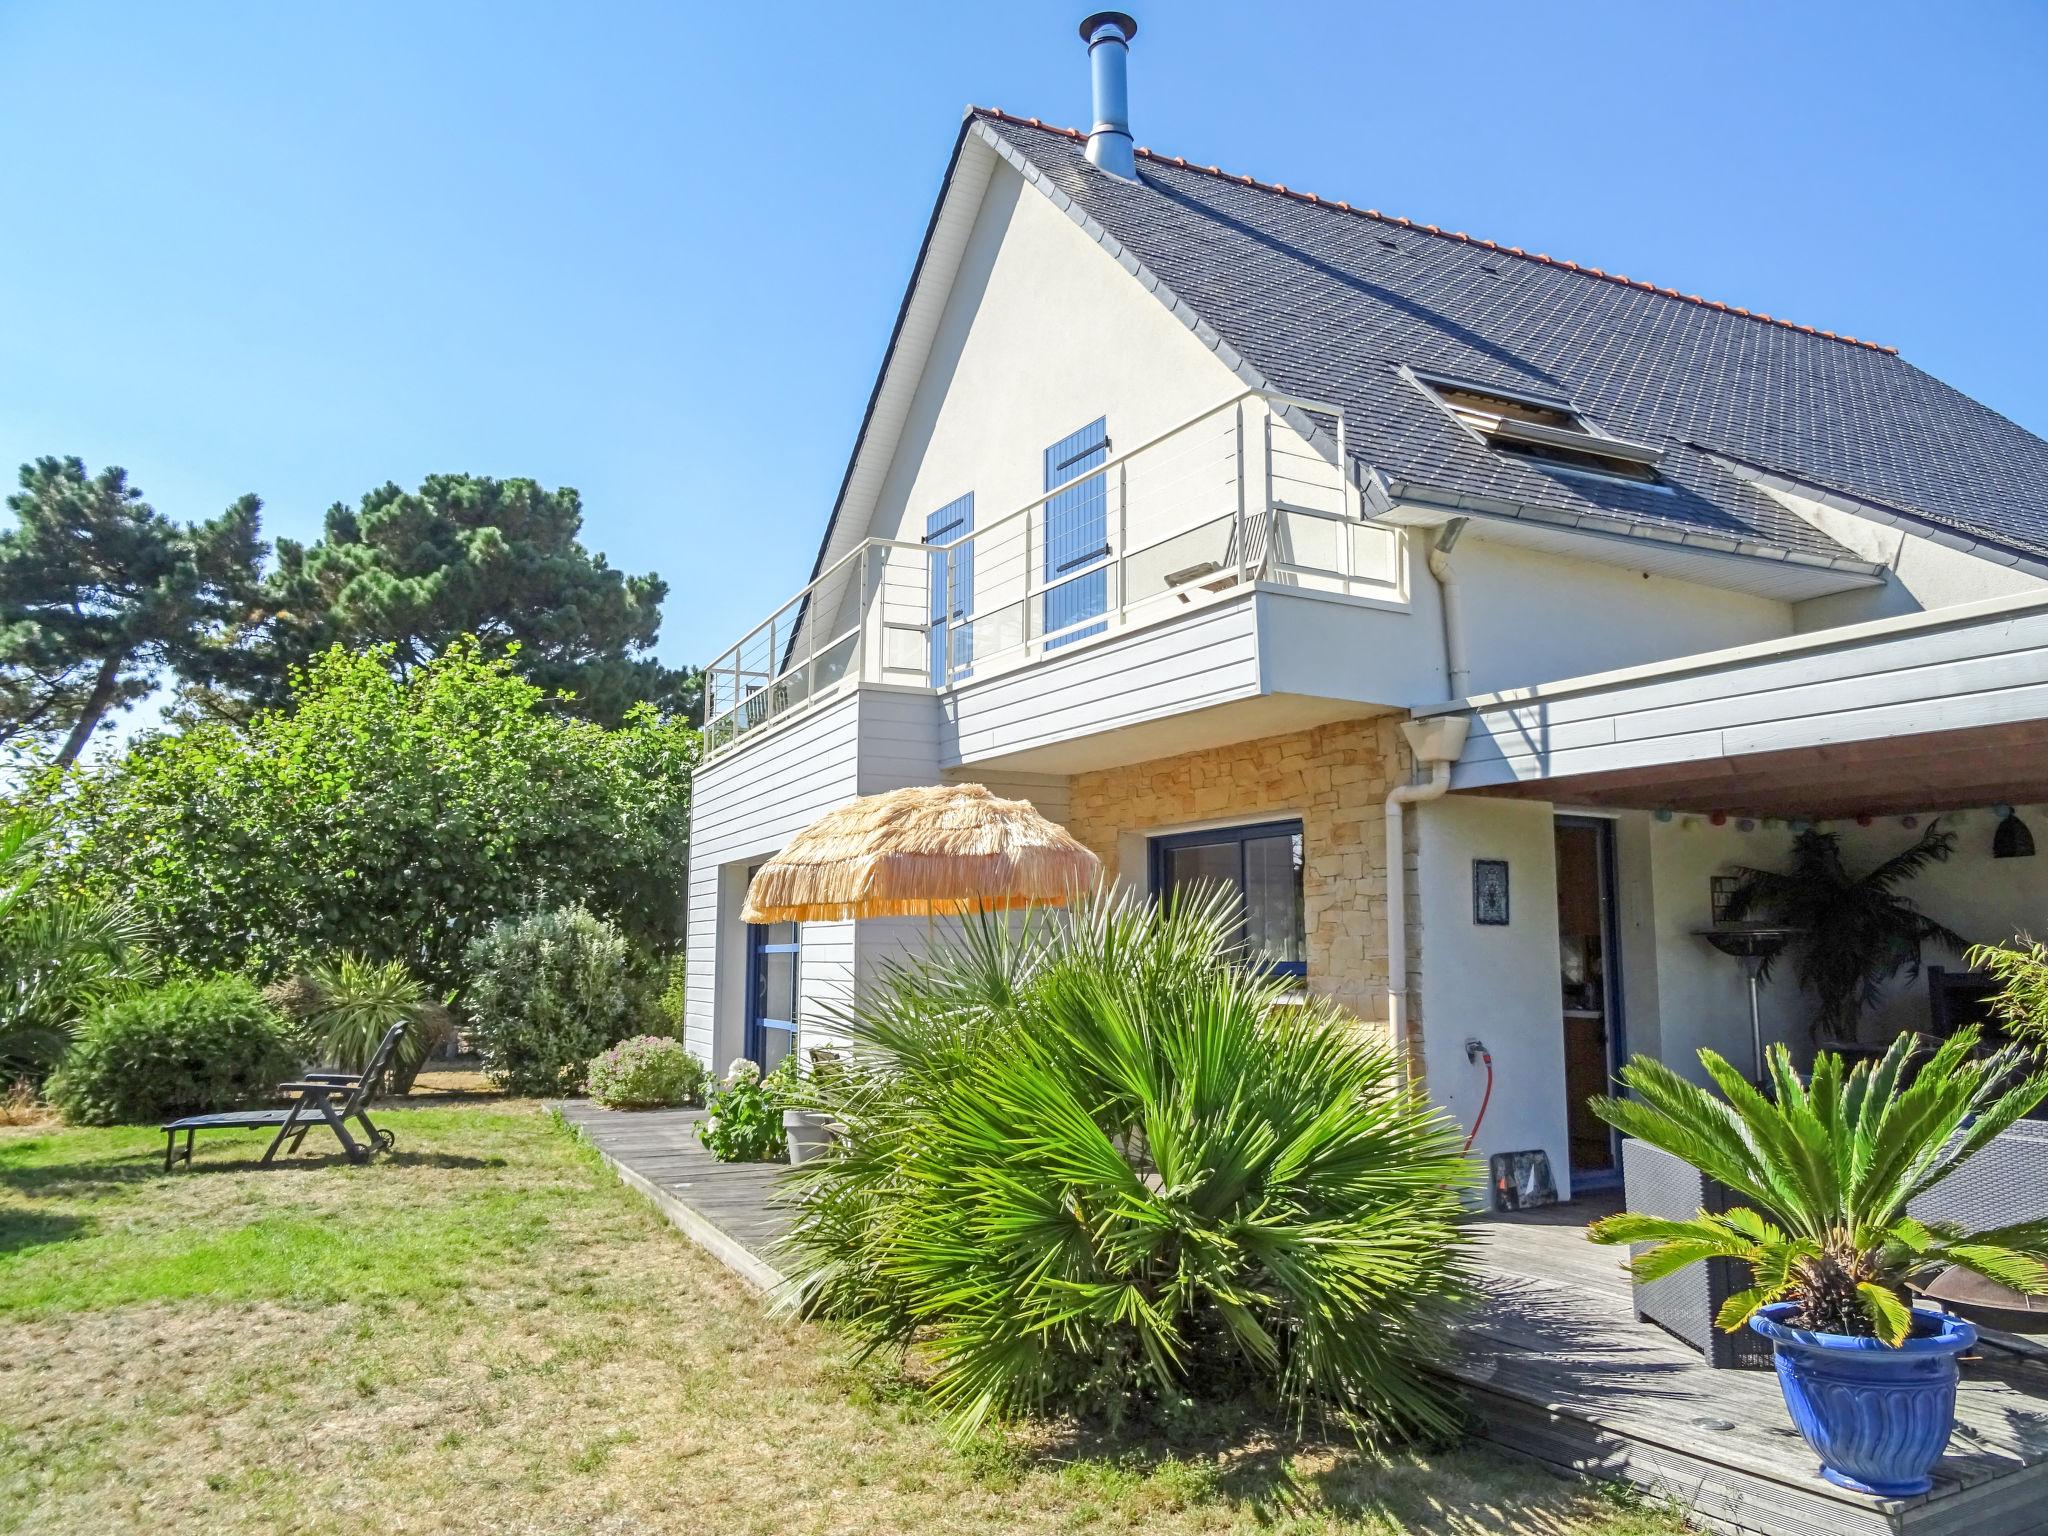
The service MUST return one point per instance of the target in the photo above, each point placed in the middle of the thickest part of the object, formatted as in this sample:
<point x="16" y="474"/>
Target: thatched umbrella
<point x="932" y="850"/>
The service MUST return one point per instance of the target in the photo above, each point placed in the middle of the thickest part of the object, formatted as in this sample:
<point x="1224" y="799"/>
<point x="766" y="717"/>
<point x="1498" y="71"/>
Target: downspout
<point x="1436" y="742"/>
<point x="1456" y="671"/>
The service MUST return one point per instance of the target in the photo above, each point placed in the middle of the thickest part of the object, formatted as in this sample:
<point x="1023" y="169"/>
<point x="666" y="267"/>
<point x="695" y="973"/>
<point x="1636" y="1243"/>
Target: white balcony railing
<point x="1237" y="495"/>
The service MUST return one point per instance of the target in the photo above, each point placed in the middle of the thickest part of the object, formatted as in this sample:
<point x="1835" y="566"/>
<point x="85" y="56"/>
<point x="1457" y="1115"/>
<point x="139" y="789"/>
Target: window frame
<point x="1159" y="845"/>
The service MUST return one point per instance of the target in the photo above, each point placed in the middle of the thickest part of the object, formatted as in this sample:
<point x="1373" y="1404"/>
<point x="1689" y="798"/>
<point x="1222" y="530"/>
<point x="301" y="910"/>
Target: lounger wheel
<point x="386" y="1141"/>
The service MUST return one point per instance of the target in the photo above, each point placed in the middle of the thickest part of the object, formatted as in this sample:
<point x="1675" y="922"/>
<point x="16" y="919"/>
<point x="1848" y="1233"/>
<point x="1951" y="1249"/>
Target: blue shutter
<point x="1076" y="533"/>
<point x="952" y="592"/>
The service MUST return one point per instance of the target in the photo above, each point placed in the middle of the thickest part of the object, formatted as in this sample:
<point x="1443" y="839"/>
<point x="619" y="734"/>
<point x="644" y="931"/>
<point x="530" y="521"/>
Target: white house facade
<point x="1468" y="610"/>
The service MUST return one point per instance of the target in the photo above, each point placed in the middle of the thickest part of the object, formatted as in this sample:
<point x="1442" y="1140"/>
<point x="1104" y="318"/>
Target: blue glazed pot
<point x="1877" y="1415"/>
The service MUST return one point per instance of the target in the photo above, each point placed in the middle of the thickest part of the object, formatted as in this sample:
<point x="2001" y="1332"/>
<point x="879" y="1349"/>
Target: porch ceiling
<point x="1934" y="771"/>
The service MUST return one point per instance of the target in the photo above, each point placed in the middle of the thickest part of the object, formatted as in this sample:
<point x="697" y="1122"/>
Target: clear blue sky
<point x="653" y="252"/>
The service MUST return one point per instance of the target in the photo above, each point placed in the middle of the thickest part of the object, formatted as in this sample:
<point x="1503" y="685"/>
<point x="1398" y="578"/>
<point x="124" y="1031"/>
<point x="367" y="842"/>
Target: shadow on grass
<point x="1246" y="1457"/>
<point x="144" y="1167"/>
<point x="21" y="1231"/>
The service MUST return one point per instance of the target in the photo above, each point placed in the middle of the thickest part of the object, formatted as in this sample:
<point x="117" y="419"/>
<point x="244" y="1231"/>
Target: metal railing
<point x="1238" y="494"/>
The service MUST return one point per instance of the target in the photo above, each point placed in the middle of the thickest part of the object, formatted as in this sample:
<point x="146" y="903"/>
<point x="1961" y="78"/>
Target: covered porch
<point x="1676" y="776"/>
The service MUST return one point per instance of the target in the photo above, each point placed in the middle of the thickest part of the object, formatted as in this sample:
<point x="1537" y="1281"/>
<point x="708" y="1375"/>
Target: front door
<point x="773" y="952"/>
<point x="1589" y="978"/>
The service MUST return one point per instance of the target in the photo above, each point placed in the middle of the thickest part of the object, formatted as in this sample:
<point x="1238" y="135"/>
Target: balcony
<point x="1246" y="496"/>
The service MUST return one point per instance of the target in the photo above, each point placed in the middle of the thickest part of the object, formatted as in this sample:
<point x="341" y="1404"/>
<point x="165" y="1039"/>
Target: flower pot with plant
<point x="1826" y="1168"/>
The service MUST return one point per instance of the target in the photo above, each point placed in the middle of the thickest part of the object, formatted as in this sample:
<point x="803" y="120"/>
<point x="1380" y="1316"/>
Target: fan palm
<point x="1856" y="932"/>
<point x="60" y="955"/>
<point x="1102" y="1164"/>
<point x="1829" y="1169"/>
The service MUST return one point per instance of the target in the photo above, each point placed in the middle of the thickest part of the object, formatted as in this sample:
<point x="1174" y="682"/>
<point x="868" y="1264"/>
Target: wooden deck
<point x="1556" y="1366"/>
<point x="728" y="1209"/>
<point x="1559" y="1369"/>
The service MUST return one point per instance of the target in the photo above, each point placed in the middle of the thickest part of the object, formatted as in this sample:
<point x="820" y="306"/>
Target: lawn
<point x="486" y="1333"/>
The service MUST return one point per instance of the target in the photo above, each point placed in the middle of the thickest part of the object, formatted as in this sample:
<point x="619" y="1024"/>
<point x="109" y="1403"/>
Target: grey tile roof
<point x="1329" y="303"/>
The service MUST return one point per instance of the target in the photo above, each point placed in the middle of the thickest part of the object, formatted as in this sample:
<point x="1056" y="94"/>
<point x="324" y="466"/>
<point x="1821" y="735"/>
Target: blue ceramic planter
<point x="1877" y="1415"/>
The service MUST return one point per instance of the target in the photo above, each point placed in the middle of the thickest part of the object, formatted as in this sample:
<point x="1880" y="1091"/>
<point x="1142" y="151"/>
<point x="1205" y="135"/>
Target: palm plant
<point x="1100" y="1164"/>
<point x="2022" y="1000"/>
<point x="1829" y="1169"/>
<point x="355" y="1001"/>
<point x="60" y="955"/>
<point x="1856" y="932"/>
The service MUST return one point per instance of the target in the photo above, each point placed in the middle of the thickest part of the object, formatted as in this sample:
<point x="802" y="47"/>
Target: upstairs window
<point x="1550" y="432"/>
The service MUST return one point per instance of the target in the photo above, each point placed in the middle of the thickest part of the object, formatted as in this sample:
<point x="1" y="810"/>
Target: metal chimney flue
<point x="1108" y="35"/>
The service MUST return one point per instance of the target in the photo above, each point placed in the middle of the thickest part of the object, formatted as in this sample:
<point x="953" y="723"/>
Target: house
<point x="1469" y="609"/>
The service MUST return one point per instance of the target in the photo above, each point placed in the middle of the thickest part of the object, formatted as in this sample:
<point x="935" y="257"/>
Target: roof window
<point x="1549" y="432"/>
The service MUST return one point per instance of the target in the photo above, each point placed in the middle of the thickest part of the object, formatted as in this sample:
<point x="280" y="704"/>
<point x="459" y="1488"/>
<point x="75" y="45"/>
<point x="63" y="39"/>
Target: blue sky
<point x="654" y="252"/>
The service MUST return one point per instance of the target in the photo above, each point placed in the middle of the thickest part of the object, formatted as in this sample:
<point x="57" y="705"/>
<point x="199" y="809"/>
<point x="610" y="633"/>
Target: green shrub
<point x="547" y="992"/>
<point x="186" y="1047"/>
<point x="1102" y="1166"/>
<point x="355" y="1002"/>
<point x="646" y="1072"/>
<point x="745" y="1123"/>
<point x="61" y="955"/>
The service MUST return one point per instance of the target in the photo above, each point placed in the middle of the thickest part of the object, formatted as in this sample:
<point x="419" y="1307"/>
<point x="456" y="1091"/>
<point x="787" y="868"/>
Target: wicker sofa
<point x="2006" y="1182"/>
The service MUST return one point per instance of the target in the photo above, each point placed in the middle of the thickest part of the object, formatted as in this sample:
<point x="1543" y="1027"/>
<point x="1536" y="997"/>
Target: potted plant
<point x="1826" y="1169"/>
<point x="1855" y="932"/>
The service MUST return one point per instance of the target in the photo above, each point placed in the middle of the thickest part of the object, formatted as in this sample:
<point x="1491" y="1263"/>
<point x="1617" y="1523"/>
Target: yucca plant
<point x="1828" y="1168"/>
<point x="2022" y="1000"/>
<point x="1098" y="1164"/>
<point x="353" y="1004"/>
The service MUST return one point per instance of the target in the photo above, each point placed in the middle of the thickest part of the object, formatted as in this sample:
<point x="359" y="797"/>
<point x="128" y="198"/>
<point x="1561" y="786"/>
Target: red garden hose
<point x="1475" y="1050"/>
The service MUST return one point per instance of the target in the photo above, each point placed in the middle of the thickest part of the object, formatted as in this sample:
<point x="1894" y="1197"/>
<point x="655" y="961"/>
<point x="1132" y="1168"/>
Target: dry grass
<point x="20" y="1105"/>
<point x="485" y="1333"/>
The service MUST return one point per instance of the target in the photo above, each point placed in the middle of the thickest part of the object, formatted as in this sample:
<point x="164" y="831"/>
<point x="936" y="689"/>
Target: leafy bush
<point x="186" y="1047"/>
<point x="1828" y="1169"/>
<point x="2022" y="970"/>
<point x="393" y="817"/>
<point x="1102" y="1166"/>
<point x="60" y="955"/>
<point x="646" y="1072"/>
<point x="745" y="1123"/>
<point x="355" y="1002"/>
<point x="547" y="992"/>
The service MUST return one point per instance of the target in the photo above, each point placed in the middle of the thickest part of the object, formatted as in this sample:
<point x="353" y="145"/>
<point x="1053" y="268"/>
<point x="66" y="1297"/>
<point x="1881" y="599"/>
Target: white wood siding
<point x="1986" y="664"/>
<point x="748" y="803"/>
<point x="1207" y="658"/>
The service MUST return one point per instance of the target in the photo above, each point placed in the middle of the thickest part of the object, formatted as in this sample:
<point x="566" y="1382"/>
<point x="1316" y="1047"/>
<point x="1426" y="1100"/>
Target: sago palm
<point x="1828" y="1168"/>
<point x="1101" y="1164"/>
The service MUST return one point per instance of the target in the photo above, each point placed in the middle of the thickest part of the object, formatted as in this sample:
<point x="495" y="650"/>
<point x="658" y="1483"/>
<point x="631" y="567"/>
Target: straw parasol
<point x="931" y="850"/>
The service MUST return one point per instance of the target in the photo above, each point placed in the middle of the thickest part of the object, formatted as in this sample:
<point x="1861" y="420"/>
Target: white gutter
<point x="1436" y="742"/>
<point x="1459" y="674"/>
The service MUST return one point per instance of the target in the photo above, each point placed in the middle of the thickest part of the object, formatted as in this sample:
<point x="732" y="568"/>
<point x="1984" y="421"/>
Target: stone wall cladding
<point x="1334" y="777"/>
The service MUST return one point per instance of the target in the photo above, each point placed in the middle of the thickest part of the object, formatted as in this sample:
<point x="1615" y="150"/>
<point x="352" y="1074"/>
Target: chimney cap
<point x="1126" y="24"/>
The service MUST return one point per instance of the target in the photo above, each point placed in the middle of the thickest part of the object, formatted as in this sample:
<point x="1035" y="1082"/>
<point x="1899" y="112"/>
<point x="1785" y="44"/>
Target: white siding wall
<point x="747" y="804"/>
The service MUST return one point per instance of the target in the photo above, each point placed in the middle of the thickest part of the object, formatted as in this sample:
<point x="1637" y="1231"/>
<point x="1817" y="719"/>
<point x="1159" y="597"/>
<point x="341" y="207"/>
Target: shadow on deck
<point x="1555" y="1364"/>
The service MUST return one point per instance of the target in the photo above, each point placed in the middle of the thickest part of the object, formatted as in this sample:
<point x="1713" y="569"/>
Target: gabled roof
<point x="1322" y="300"/>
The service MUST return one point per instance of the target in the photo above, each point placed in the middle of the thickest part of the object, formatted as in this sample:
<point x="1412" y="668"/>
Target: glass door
<point x="773" y="955"/>
<point x="1589" y="983"/>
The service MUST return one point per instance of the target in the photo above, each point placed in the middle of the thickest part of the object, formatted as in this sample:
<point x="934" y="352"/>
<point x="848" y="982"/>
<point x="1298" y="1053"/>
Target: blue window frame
<point x="952" y="588"/>
<point x="773" y="959"/>
<point x="1076" y="534"/>
<point x="1262" y="863"/>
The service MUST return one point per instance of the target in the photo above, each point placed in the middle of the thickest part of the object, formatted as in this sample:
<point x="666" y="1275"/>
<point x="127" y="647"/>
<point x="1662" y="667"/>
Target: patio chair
<point x="334" y="1098"/>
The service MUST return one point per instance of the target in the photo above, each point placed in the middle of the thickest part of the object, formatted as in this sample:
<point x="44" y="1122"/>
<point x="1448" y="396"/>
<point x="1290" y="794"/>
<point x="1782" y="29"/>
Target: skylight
<point x="1550" y="432"/>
